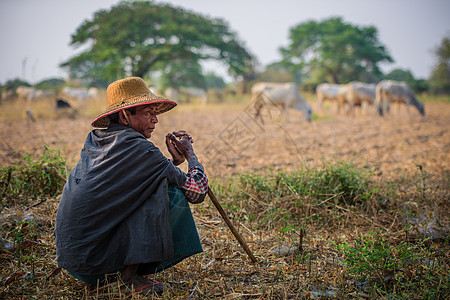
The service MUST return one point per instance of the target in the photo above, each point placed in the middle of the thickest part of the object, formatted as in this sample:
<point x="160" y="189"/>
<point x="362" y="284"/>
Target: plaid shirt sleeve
<point x="196" y="186"/>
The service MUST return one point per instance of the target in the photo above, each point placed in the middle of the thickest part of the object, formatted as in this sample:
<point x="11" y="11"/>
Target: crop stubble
<point x="229" y="142"/>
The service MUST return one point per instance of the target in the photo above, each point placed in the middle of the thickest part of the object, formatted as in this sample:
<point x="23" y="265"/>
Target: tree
<point x="400" y="75"/>
<point x="13" y="84"/>
<point x="275" y="72"/>
<point x="53" y="84"/>
<point x="334" y="51"/>
<point x="418" y="85"/>
<point x="214" y="81"/>
<point x="440" y="76"/>
<point x="8" y="90"/>
<point x="182" y="73"/>
<point x="136" y="37"/>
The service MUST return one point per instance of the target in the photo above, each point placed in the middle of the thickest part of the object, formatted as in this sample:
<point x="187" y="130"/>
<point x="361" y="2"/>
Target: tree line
<point x="167" y="44"/>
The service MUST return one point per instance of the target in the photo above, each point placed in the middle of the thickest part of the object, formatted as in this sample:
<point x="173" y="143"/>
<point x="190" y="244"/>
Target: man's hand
<point x="177" y="157"/>
<point x="179" y="144"/>
<point x="179" y="134"/>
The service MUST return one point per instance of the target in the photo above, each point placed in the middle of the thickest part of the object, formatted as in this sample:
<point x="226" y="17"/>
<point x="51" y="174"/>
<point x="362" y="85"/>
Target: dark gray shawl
<point x="114" y="209"/>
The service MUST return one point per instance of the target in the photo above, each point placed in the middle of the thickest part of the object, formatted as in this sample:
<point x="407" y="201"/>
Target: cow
<point x="284" y="95"/>
<point x="187" y="94"/>
<point x="327" y="92"/>
<point x="61" y="104"/>
<point x="360" y="94"/>
<point x="29" y="94"/>
<point x="93" y="92"/>
<point x="79" y="95"/>
<point x="26" y="93"/>
<point x="389" y="91"/>
<point x="7" y="95"/>
<point x="332" y="93"/>
<point x="64" y="109"/>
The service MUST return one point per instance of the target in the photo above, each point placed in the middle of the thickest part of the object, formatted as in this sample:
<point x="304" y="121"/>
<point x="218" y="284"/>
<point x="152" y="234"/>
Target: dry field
<point x="229" y="141"/>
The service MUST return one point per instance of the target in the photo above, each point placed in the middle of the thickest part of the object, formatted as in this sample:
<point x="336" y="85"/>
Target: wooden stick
<point x="230" y="225"/>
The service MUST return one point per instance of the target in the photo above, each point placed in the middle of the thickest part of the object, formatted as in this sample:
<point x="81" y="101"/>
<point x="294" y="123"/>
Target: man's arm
<point x="196" y="186"/>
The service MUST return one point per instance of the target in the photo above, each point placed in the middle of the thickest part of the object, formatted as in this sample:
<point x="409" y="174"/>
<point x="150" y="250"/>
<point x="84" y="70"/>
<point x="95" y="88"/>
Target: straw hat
<point x="130" y="92"/>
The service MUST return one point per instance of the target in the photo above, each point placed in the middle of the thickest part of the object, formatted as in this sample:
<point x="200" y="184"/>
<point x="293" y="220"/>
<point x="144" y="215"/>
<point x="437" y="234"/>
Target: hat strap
<point x="126" y="117"/>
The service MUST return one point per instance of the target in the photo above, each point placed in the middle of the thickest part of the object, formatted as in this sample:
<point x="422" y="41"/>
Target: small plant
<point x="370" y="257"/>
<point x="391" y="267"/>
<point x="290" y="201"/>
<point x="345" y="180"/>
<point x="421" y="182"/>
<point x="29" y="178"/>
<point x="342" y="180"/>
<point x="22" y="234"/>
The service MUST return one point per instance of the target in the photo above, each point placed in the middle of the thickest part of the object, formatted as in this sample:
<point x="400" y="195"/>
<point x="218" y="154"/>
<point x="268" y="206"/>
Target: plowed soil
<point x="228" y="141"/>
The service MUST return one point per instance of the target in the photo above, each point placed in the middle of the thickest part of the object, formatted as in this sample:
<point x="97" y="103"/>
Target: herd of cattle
<point x="361" y="94"/>
<point x="284" y="95"/>
<point x="63" y="99"/>
<point x="348" y="96"/>
<point x="29" y="94"/>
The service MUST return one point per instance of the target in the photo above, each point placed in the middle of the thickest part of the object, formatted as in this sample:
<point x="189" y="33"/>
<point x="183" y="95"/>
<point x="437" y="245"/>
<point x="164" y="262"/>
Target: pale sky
<point x="35" y="34"/>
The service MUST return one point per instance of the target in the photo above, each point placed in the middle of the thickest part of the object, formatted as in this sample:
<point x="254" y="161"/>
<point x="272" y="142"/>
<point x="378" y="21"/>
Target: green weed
<point x="23" y="233"/>
<point x="31" y="178"/>
<point x="393" y="268"/>
<point x="291" y="202"/>
<point x="342" y="181"/>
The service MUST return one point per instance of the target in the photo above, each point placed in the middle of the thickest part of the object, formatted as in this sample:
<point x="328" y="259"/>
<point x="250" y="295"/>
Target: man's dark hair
<point x="114" y="118"/>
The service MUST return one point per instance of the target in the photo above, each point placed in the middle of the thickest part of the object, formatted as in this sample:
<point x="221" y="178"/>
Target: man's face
<point x="145" y="119"/>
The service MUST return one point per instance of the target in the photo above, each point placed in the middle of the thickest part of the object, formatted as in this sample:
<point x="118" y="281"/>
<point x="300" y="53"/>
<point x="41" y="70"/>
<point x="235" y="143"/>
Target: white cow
<point x="28" y="94"/>
<point x="7" y="95"/>
<point x="193" y="93"/>
<point x="25" y="93"/>
<point x="172" y="94"/>
<point x="79" y="95"/>
<point x="389" y="91"/>
<point x="360" y="94"/>
<point x="93" y="92"/>
<point x="187" y="94"/>
<point x="332" y="93"/>
<point x="284" y="95"/>
<point x="327" y="92"/>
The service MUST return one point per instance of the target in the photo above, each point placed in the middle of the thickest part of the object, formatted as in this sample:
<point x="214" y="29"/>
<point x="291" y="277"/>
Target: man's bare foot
<point x="141" y="284"/>
<point x="138" y="283"/>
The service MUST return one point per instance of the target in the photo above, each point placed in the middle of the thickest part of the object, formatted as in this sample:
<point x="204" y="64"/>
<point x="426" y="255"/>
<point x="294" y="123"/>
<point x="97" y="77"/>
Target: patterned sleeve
<point x="196" y="186"/>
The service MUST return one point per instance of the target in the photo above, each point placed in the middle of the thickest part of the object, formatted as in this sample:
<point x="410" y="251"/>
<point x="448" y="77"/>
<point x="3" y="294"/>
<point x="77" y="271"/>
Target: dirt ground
<point x="228" y="141"/>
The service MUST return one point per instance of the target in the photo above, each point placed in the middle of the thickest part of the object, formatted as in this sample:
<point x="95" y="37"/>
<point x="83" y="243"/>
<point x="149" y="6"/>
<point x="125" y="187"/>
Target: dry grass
<point x="270" y="214"/>
<point x="275" y="210"/>
<point x="45" y="109"/>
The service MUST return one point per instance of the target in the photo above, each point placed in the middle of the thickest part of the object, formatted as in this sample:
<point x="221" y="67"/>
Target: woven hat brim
<point x="163" y="105"/>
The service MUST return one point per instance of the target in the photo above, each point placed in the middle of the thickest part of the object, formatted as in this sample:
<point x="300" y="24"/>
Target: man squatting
<point x="124" y="209"/>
